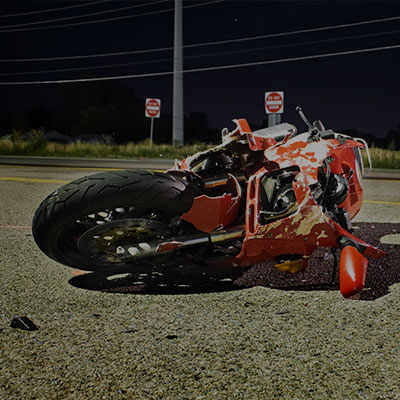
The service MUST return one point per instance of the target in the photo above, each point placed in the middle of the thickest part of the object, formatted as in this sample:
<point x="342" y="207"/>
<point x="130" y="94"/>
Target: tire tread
<point x="104" y="190"/>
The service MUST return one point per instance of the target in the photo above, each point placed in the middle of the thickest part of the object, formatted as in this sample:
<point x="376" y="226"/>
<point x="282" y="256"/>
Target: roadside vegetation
<point x="383" y="158"/>
<point x="41" y="148"/>
<point x="37" y="146"/>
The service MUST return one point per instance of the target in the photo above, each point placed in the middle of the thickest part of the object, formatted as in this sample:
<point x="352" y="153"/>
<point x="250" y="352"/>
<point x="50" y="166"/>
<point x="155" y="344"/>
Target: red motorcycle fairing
<point x="347" y="165"/>
<point x="308" y="156"/>
<point x="290" y="235"/>
<point x="209" y="213"/>
<point x="308" y="227"/>
<point x="353" y="271"/>
<point x="299" y="233"/>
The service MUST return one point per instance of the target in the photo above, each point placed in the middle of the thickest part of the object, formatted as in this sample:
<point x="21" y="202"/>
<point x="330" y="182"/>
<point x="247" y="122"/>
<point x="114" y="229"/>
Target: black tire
<point x="64" y="216"/>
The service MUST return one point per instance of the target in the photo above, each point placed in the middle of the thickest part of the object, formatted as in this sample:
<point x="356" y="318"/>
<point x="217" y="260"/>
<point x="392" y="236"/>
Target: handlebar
<point x="304" y="118"/>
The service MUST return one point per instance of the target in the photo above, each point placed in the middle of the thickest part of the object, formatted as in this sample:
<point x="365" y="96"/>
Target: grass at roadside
<point x="381" y="158"/>
<point x="130" y="150"/>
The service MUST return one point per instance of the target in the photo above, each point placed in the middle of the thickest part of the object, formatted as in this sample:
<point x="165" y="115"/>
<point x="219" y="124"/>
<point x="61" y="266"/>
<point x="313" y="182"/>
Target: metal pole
<point x="274" y="119"/>
<point x="177" y="111"/>
<point x="151" y="131"/>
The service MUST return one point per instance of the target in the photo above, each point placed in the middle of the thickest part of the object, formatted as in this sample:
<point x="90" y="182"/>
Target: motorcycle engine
<point x="333" y="190"/>
<point x="277" y="195"/>
<point x="337" y="189"/>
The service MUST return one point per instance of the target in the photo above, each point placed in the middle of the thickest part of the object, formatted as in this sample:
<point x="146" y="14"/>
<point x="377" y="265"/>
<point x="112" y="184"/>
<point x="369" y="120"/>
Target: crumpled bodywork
<point x="301" y="195"/>
<point x="263" y="139"/>
<point x="307" y="156"/>
<point x="308" y="227"/>
<point x="208" y="213"/>
<point x="299" y="233"/>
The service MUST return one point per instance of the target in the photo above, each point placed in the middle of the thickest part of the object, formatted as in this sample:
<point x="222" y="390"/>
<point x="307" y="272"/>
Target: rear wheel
<point x="85" y="223"/>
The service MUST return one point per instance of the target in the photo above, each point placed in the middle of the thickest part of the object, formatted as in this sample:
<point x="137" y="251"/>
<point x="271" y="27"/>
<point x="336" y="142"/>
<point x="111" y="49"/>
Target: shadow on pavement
<point x="179" y="279"/>
<point x="194" y="278"/>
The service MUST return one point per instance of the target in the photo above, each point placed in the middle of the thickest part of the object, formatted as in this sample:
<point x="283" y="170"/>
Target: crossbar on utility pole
<point x="177" y="109"/>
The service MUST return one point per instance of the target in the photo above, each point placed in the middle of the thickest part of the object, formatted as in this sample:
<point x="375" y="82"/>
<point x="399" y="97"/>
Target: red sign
<point x="274" y="102"/>
<point x="153" y="108"/>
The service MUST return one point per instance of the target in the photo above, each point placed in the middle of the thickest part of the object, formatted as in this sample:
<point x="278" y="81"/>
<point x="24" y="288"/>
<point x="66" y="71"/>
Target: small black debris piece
<point x="130" y="329"/>
<point x="23" y="323"/>
<point x="282" y="312"/>
<point x="170" y="337"/>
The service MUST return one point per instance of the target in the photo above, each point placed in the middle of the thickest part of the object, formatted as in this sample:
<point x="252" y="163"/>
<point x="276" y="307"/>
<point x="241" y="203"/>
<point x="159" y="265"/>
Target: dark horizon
<point x="358" y="91"/>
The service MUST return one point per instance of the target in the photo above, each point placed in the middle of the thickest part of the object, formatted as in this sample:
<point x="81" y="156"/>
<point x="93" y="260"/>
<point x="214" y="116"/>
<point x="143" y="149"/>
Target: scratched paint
<point x="310" y="221"/>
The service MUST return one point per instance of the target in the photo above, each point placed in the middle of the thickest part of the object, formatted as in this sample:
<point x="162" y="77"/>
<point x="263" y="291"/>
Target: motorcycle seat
<point x="278" y="132"/>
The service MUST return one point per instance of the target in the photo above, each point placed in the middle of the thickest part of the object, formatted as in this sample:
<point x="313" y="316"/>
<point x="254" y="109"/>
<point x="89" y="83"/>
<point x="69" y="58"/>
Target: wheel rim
<point x="104" y="241"/>
<point x="98" y="235"/>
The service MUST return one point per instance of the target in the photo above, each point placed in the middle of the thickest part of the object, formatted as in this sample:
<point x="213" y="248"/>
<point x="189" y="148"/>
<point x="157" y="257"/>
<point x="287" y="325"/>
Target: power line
<point x="54" y="9"/>
<point x="87" y="68"/>
<point x="324" y="28"/>
<point x="84" y="15"/>
<point x="202" y="44"/>
<point x="279" y="46"/>
<point x="215" y="68"/>
<point x="197" y="55"/>
<point x="109" y="19"/>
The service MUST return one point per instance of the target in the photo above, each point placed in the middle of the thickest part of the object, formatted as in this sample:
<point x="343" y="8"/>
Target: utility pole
<point x="177" y="109"/>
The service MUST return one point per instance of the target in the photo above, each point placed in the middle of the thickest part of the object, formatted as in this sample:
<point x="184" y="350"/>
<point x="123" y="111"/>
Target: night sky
<point x="358" y="91"/>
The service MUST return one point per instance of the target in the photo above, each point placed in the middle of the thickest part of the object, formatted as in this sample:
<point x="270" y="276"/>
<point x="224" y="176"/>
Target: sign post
<point x="274" y="107"/>
<point x="152" y="110"/>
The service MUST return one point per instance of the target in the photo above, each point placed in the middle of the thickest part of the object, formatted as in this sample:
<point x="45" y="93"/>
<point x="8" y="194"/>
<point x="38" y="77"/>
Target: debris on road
<point x="23" y="323"/>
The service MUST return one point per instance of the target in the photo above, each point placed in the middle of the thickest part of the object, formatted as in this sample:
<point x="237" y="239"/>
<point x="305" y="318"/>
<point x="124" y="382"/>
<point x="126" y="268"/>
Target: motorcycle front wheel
<point x="83" y="224"/>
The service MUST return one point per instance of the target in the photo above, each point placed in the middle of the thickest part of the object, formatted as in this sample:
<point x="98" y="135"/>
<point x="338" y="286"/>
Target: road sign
<point x="153" y="108"/>
<point x="274" y="102"/>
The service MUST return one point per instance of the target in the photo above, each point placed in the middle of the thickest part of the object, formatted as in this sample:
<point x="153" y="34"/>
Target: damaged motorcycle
<point x="272" y="194"/>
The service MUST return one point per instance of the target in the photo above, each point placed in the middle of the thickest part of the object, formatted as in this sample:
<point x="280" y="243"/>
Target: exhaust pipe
<point x="139" y="251"/>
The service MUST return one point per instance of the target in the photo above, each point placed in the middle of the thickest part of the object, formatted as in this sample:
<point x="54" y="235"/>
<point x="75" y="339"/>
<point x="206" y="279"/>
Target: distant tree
<point x="63" y="120"/>
<point x="393" y="139"/>
<point x="97" y="119"/>
<point x="124" y="123"/>
<point x="38" y="116"/>
<point x="370" y="139"/>
<point x="131" y="126"/>
<point x="104" y="107"/>
<point x="107" y="108"/>
<point x="7" y="121"/>
<point x="162" y="128"/>
<point x="213" y="135"/>
<point x="21" y="124"/>
<point x="197" y="129"/>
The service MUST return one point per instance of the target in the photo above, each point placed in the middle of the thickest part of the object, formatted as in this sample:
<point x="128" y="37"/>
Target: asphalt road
<point x="102" y="163"/>
<point x="251" y="334"/>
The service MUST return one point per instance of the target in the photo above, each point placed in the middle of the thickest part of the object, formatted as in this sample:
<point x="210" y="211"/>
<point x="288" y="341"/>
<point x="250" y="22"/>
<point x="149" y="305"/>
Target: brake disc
<point x="102" y="241"/>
